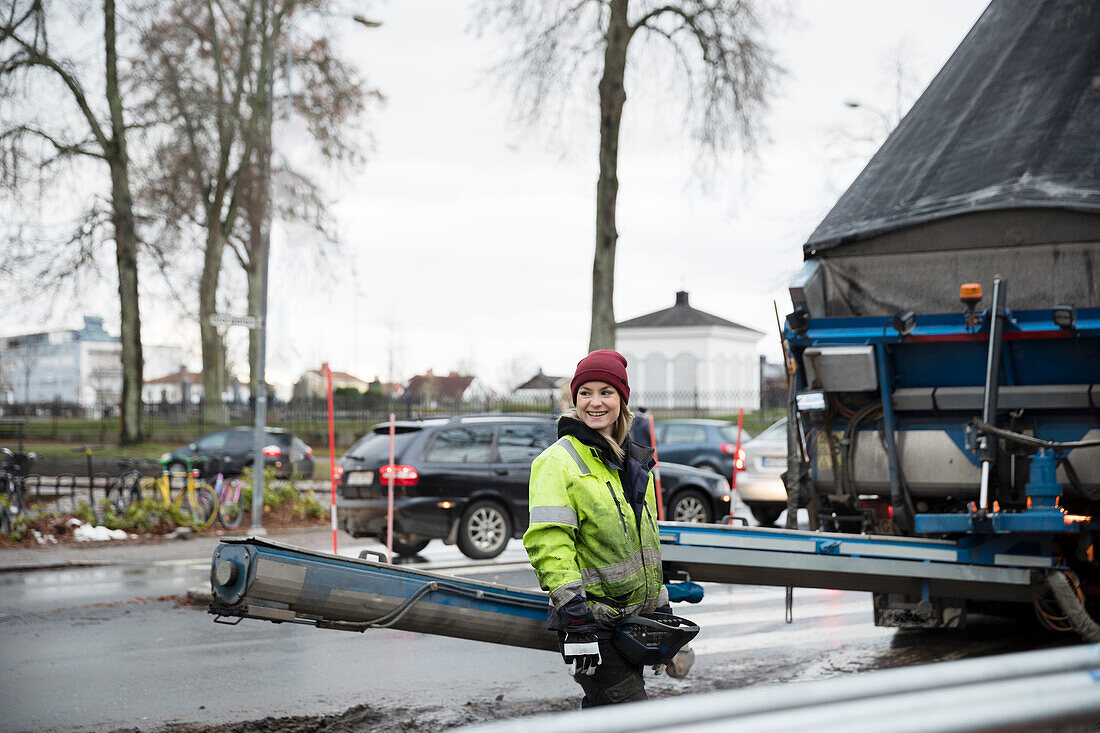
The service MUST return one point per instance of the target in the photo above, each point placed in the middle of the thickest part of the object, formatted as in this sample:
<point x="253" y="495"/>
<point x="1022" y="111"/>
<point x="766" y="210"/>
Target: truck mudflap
<point x="268" y="580"/>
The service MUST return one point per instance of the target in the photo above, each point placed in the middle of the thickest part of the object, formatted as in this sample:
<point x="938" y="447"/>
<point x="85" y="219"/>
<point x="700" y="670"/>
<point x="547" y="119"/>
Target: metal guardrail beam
<point x="1021" y="691"/>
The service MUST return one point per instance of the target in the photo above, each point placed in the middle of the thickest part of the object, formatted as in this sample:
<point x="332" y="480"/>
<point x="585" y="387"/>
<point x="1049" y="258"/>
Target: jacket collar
<point x="596" y="441"/>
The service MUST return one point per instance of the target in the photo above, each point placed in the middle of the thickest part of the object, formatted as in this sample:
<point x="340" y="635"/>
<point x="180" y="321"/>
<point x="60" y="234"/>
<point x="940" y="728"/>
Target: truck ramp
<point x="968" y="569"/>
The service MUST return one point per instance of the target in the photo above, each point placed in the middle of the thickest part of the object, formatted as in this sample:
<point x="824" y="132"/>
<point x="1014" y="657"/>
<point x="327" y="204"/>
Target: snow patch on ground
<point x="43" y="538"/>
<point x="87" y="533"/>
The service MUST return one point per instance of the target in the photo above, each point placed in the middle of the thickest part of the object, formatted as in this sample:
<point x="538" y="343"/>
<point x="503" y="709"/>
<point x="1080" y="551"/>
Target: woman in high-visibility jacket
<point x="593" y="537"/>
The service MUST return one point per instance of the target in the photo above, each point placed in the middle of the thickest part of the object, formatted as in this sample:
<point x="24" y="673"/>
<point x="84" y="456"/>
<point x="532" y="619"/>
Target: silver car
<point x="759" y="483"/>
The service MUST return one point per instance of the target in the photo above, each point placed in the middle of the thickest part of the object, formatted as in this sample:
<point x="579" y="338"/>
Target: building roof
<point x="682" y="314"/>
<point x="450" y="387"/>
<point x="177" y="378"/>
<point x="1012" y="121"/>
<point x="542" y="381"/>
<point x="337" y="375"/>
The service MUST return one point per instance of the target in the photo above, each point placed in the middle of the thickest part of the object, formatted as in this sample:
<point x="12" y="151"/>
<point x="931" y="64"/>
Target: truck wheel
<point x="408" y="544"/>
<point x="689" y="506"/>
<point x="484" y="530"/>
<point x="766" y="515"/>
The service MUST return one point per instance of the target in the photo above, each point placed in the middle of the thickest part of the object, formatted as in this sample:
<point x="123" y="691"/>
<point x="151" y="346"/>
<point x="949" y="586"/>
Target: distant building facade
<point x="78" y="366"/>
<point x="430" y="389"/>
<point x="544" y="388"/>
<point x="685" y="357"/>
<point x="181" y="387"/>
<point x="314" y="383"/>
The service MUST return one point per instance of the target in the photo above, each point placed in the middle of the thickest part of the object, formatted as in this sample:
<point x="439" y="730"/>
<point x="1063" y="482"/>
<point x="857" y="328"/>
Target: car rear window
<point x="375" y="447"/>
<point x="239" y="440"/>
<point x="686" y="434"/>
<point x="778" y="431"/>
<point x="522" y="443"/>
<point x="461" y="445"/>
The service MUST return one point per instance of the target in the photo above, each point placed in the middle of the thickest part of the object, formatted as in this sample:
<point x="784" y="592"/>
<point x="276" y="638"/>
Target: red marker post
<point x="737" y="451"/>
<point x="389" y="501"/>
<point x="331" y="453"/>
<point x="656" y="470"/>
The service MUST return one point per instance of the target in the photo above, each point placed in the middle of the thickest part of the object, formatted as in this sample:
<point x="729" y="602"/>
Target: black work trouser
<point x="615" y="680"/>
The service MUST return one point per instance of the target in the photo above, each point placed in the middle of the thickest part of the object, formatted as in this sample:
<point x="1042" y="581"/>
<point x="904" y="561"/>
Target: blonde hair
<point x="619" y="429"/>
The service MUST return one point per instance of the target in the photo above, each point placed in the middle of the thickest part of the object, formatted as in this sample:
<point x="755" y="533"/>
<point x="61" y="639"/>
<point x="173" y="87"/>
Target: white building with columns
<point x="684" y="357"/>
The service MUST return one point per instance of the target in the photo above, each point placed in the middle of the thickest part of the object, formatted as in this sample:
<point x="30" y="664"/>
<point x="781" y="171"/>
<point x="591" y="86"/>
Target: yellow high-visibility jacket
<point x="584" y="538"/>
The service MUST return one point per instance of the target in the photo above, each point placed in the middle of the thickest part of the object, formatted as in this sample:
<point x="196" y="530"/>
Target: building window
<point x="656" y="374"/>
<point x="685" y="373"/>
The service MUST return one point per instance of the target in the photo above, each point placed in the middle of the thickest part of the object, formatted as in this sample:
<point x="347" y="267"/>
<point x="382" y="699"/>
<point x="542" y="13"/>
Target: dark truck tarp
<point x="995" y="170"/>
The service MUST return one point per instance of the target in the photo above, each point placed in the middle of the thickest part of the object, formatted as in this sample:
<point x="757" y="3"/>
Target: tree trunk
<point x="126" y="244"/>
<point x="213" y="350"/>
<point x="612" y="99"/>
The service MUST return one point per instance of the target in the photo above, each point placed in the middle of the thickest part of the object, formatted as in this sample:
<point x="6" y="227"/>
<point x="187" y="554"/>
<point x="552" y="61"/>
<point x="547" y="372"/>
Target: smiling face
<point x="598" y="406"/>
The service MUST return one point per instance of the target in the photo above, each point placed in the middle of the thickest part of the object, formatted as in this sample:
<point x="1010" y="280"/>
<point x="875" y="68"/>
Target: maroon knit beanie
<point x="604" y="365"/>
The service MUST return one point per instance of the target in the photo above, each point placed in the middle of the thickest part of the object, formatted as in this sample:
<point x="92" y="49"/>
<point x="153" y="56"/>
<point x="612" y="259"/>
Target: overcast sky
<point x="468" y="238"/>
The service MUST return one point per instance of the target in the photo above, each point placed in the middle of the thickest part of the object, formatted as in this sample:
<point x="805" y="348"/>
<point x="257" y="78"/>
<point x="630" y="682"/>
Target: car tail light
<point x="338" y="473"/>
<point x="402" y="475"/>
<point x="734" y="450"/>
<point x="272" y="451"/>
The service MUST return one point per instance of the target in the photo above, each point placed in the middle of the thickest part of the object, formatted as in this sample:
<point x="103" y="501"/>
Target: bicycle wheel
<point x="111" y="502"/>
<point x="230" y="510"/>
<point x="205" y="509"/>
<point x="130" y="489"/>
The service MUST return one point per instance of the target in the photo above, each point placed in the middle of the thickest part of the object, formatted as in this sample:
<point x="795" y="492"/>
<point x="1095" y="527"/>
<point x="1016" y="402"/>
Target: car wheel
<point x="484" y="530"/>
<point x="707" y="467"/>
<point x="766" y="515"/>
<point x="408" y="544"/>
<point x="690" y="506"/>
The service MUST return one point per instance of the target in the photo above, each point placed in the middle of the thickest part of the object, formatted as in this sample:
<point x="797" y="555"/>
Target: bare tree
<point x="26" y="56"/>
<point x="207" y="166"/>
<point x="717" y="46"/>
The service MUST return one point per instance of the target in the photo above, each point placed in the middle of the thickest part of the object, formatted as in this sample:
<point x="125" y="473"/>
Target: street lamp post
<point x="260" y="436"/>
<point x="267" y="63"/>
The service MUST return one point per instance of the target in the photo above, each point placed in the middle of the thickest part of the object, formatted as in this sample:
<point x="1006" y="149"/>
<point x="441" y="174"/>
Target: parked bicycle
<point x="122" y="491"/>
<point x="13" y="471"/>
<point x="196" y="498"/>
<point x="230" y="509"/>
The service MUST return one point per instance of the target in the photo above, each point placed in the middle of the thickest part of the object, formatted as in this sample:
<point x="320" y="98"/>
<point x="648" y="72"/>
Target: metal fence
<point x="308" y="418"/>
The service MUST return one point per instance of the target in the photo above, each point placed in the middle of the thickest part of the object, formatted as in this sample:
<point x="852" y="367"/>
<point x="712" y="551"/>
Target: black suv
<point x="231" y="450"/>
<point x="465" y="480"/>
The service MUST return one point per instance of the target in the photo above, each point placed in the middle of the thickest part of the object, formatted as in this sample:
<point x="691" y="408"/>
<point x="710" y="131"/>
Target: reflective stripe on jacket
<point x="585" y="540"/>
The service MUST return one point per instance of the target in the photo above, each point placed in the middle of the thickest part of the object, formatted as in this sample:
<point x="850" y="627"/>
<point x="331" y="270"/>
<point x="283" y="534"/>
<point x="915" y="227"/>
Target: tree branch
<point x="35" y="58"/>
<point x="60" y="147"/>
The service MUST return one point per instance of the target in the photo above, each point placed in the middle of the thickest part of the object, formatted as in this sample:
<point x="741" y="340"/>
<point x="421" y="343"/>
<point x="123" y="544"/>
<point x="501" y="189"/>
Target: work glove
<point x="582" y="650"/>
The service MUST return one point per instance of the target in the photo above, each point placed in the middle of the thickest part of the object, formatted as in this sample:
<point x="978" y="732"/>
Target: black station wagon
<point x="465" y="480"/>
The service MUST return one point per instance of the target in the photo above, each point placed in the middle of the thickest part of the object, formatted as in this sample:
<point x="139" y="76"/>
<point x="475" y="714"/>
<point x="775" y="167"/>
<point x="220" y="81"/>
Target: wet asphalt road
<point x="94" y="649"/>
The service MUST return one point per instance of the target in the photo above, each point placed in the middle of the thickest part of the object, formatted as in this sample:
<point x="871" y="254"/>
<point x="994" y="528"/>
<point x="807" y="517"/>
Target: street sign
<point x="225" y="319"/>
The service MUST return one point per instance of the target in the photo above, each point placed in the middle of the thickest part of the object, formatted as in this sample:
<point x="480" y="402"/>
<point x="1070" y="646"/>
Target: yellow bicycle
<point x="195" y="498"/>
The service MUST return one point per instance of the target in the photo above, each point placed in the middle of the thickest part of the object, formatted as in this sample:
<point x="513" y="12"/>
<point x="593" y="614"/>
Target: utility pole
<point x="267" y="63"/>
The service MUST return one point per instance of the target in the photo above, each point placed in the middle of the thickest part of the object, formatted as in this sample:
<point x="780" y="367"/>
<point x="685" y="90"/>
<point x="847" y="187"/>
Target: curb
<point x="57" y="565"/>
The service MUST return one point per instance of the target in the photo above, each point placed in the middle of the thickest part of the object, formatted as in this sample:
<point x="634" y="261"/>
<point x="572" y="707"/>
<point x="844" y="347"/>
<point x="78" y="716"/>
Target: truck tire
<point x="484" y="530"/>
<point x="766" y="515"/>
